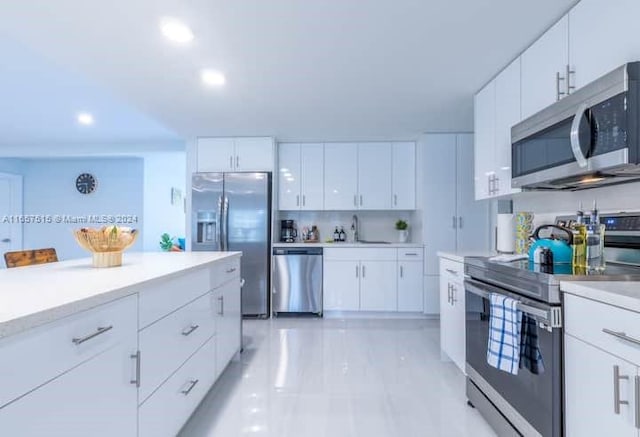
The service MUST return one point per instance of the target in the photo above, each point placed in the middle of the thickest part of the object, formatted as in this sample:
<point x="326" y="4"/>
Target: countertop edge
<point x="37" y="319"/>
<point x="589" y="290"/>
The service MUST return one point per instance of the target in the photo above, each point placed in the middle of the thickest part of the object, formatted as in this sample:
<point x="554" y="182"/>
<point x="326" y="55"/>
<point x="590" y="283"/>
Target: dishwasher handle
<point x="297" y="251"/>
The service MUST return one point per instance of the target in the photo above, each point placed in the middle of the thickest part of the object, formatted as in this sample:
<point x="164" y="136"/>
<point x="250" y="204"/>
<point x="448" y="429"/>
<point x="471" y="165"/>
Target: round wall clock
<point x="86" y="183"/>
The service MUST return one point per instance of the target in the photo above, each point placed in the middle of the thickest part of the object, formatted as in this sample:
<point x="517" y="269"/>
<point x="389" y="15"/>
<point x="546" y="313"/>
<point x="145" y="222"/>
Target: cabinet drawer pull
<point x="453" y="272"/>
<point x="622" y="336"/>
<point x="357" y="275"/>
<point x="410" y="254"/>
<point x="187" y="332"/>
<point x="192" y="384"/>
<point x="237" y="161"/>
<point x="297" y="200"/>
<point x="101" y="330"/>
<point x="364" y="271"/>
<point x="401" y="272"/>
<point x="616" y="389"/>
<point x="231" y="162"/>
<point x="361" y="200"/>
<point x="136" y="357"/>
<point x="231" y="270"/>
<point x="304" y="200"/>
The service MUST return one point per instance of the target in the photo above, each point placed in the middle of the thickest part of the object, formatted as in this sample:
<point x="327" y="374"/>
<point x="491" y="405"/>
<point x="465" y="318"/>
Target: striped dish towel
<point x="503" y="350"/>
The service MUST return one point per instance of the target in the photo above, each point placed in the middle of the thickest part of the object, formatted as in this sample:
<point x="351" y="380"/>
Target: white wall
<point x="162" y="172"/>
<point x="374" y="225"/>
<point x="49" y="188"/>
<point x="10" y="165"/>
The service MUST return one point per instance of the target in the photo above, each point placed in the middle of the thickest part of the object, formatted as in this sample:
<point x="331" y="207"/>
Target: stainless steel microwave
<point x="588" y="139"/>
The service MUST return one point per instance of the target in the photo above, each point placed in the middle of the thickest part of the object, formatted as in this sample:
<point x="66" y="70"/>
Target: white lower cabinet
<point x="164" y="413"/>
<point x="595" y="383"/>
<point x="410" y="292"/>
<point x="227" y="312"/>
<point x="341" y="285"/>
<point x="378" y="288"/>
<point x="452" y="311"/>
<point x="601" y="369"/>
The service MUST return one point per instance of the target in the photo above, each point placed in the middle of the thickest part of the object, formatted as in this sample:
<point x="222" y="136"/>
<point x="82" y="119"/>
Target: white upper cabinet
<point x="254" y="154"/>
<point x="484" y="131"/>
<point x="374" y="176"/>
<point x="543" y="64"/>
<point x="289" y="176"/>
<point x="507" y="114"/>
<point x="215" y="154"/>
<point x="235" y="154"/>
<point x="403" y="174"/>
<point x="312" y="156"/>
<point x="603" y="35"/>
<point x="341" y="176"/>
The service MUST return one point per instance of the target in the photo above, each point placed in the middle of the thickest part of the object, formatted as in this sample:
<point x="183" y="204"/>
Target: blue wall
<point x="10" y="165"/>
<point x="49" y="188"/>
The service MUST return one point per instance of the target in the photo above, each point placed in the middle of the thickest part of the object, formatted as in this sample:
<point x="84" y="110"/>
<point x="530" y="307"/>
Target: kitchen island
<point x="126" y="351"/>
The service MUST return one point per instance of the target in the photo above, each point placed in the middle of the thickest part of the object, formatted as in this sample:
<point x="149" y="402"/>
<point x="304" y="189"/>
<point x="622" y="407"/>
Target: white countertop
<point x="461" y="255"/>
<point x="623" y="294"/>
<point x="349" y="245"/>
<point x="32" y="296"/>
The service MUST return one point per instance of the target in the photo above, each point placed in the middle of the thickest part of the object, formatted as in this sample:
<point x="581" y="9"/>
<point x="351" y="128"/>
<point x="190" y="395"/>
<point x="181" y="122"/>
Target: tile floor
<point x="338" y="378"/>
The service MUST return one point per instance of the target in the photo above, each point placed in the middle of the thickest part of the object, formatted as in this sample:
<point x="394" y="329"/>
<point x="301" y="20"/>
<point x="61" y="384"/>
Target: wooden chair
<point x="30" y="257"/>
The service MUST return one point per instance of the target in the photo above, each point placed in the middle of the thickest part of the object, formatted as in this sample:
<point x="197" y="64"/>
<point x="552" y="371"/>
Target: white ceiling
<point x="296" y="69"/>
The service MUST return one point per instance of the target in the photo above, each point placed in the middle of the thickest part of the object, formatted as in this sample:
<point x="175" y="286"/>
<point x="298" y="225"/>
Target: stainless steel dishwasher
<point x="297" y="280"/>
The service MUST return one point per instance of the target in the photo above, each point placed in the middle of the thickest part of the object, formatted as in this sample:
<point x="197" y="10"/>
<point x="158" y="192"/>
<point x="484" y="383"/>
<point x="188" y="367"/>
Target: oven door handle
<point x="551" y="317"/>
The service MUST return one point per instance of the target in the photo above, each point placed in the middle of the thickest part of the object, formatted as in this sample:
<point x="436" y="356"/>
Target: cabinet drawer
<point x="164" y="413"/>
<point x="351" y="254"/>
<point x="165" y="345"/>
<point x="410" y="254"/>
<point x="158" y="300"/>
<point x="34" y="357"/>
<point x="225" y="271"/>
<point x="452" y="268"/>
<point x="581" y="322"/>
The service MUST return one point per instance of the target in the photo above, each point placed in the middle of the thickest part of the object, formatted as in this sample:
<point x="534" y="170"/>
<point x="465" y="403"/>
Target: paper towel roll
<point x="506" y="237"/>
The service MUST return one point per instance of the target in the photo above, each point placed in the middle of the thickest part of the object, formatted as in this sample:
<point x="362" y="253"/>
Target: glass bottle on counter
<point x="336" y="235"/>
<point x="595" y="242"/>
<point x="579" y="230"/>
<point x="342" y="236"/>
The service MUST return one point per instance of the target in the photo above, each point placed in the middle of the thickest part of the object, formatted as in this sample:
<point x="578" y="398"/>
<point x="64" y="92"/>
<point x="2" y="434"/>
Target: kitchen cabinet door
<point x="439" y="197"/>
<point x="94" y="399"/>
<point x="484" y="110"/>
<point x="447" y="320"/>
<point x="403" y="174"/>
<point x="340" y="176"/>
<point x="507" y="101"/>
<point x="541" y="62"/>
<point x="603" y="35"/>
<point x="227" y="313"/>
<point x="215" y="154"/>
<point x="374" y="176"/>
<point x="472" y="233"/>
<point x="378" y="286"/>
<point x="312" y="156"/>
<point x="289" y="177"/>
<point x="341" y="285"/>
<point x="254" y="154"/>
<point x="410" y="286"/>
<point x="589" y="392"/>
<point x="457" y="339"/>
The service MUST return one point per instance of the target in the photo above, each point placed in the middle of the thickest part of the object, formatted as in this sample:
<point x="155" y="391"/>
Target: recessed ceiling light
<point x="212" y="78"/>
<point x="85" y="118"/>
<point x="175" y="30"/>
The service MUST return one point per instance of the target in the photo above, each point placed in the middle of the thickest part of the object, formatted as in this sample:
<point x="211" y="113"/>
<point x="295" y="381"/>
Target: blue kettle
<point x="560" y="248"/>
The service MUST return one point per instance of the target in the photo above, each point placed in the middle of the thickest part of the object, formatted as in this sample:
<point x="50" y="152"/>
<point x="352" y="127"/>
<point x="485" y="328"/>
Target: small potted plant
<point x="167" y="244"/>
<point x="403" y="231"/>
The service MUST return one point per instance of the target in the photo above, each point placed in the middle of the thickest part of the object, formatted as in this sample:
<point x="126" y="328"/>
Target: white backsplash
<point x="374" y="225"/>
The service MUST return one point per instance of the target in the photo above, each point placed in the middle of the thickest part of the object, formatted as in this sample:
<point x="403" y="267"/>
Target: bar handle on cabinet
<point x="448" y="292"/>
<point x="364" y="271"/>
<point x="187" y="332"/>
<point x="616" y="389"/>
<point x="361" y="200"/>
<point x="401" y="271"/>
<point x="453" y="272"/>
<point x="355" y="200"/>
<point x="622" y="336"/>
<point x="357" y="271"/>
<point x="304" y="200"/>
<point x="453" y="294"/>
<point x="221" y="300"/>
<point x="395" y="200"/>
<point x="136" y="357"/>
<point x="237" y="161"/>
<point x="192" y="384"/>
<point x="297" y="200"/>
<point x="231" y="162"/>
<point x="455" y="221"/>
<point x="231" y="270"/>
<point x="559" y="94"/>
<point x="460" y="222"/>
<point x="101" y="330"/>
<point x="570" y="87"/>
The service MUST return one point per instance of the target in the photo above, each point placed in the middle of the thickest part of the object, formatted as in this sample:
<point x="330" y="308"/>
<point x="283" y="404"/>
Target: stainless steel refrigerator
<point x="232" y="212"/>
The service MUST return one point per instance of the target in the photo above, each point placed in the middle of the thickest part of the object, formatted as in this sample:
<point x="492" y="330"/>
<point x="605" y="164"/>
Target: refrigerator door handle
<point x="226" y="224"/>
<point x="219" y="224"/>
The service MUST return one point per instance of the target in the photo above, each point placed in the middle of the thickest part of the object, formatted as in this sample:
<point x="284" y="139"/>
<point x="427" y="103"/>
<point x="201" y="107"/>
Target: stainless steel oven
<point x="527" y="403"/>
<point x="587" y="139"/>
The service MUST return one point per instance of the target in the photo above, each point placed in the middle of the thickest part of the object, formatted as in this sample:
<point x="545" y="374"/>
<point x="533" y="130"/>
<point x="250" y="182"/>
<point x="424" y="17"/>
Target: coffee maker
<point x="288" y="231"/>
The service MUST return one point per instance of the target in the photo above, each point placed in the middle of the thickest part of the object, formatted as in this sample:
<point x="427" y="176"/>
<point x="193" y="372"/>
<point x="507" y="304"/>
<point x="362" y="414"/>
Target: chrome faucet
<point x="354" y="226"/>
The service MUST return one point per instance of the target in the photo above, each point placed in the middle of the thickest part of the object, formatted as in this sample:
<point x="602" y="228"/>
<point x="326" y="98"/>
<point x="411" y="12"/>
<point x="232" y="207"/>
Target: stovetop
<point x="541" y="282"/>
